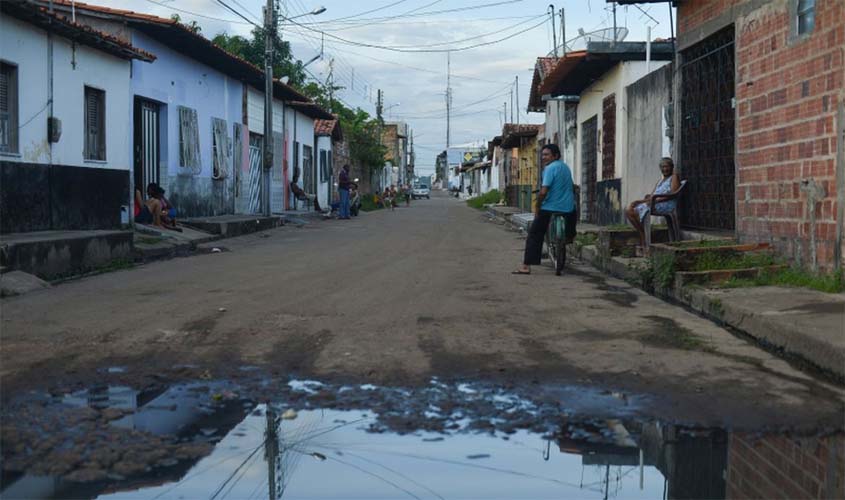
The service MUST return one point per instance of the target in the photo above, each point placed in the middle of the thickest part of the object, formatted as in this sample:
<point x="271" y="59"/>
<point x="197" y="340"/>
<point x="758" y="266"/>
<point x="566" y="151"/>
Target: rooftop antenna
<point x="554" y="31"/>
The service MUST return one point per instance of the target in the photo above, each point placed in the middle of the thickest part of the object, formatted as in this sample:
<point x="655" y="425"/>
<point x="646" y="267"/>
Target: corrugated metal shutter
<point x="6" y="124"/>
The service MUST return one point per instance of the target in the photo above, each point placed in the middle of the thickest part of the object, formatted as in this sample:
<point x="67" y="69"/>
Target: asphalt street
<point x="396" y="298"/>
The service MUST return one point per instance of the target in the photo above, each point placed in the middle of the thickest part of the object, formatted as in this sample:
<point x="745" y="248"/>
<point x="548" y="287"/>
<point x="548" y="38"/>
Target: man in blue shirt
<point x="556" y="196"/>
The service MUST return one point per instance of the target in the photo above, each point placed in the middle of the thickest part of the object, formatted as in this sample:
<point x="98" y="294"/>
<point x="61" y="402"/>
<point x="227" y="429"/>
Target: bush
<point x="367" y="203"/>
<point x="488" y="198"/>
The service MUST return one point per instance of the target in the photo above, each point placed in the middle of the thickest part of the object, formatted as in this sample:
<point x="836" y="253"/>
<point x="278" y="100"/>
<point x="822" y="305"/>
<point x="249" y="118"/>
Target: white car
<point x="421" y="191"/>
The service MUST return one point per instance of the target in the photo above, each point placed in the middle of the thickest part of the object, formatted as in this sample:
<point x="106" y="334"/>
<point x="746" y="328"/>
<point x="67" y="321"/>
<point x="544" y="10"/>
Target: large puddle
<point x="304" y="439"/>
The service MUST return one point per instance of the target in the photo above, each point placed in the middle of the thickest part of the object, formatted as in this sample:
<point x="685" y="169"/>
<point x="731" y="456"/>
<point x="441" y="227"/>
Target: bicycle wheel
<point x="550" y="245"/>
<point x="560" y="256"/>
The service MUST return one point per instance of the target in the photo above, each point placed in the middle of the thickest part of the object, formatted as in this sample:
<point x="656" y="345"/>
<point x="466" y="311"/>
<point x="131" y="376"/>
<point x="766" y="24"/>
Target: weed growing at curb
<point x="794" y="277"/>
<point x="487" y="198"/>
<point x="710" y="261"/>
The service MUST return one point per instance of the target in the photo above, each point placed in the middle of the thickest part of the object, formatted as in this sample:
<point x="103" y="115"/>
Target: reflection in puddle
<point x="330" y="454"/>
<point x="466" y="440"/>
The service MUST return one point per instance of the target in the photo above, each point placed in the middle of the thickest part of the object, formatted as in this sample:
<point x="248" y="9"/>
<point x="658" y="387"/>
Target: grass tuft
<point x="794" y="277"/>
<point x="487" y="198"/>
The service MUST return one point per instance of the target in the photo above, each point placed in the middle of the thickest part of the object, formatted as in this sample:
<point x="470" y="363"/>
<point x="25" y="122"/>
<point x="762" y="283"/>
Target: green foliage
<point x="487" y="198"/>
<point x="252" y="50"/>
<point x="193" y="26"/>
<point x="709" y="261"/>
<point x="702" y="243"/>
<point x="795" y="277"/>
<point x="360" y="130"/>
<point x="367" y="203"/>
<point x="585" y="239"/>
<point x="619" y="227"/>
<point x="663" y="269"/>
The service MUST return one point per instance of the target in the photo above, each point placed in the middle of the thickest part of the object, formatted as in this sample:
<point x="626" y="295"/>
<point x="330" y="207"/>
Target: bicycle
<point x="556" y="242"/>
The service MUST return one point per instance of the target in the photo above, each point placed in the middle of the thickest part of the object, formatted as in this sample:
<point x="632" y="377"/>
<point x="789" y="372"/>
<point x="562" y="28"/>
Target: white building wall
<point x="323" y="184"/>
<point x="612" y="82"/>
<point x="26" y="46"/>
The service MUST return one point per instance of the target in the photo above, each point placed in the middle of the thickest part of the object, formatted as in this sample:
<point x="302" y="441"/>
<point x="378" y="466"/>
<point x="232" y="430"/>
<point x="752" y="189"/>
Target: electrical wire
<point x="423" y="50"/>
<point x="202" y="16"/>
<point x="232" y="9"/>
<point x="422" y="14"/>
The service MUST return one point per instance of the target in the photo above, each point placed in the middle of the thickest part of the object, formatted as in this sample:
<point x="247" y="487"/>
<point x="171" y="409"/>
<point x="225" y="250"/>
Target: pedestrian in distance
<point x="343" y="184"/>
<point x="556" y="196"/>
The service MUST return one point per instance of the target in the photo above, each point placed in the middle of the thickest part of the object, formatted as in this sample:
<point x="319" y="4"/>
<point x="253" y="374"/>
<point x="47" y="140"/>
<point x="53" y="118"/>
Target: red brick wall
<point x="777" y="466"/>
<point x="786" y="99"/>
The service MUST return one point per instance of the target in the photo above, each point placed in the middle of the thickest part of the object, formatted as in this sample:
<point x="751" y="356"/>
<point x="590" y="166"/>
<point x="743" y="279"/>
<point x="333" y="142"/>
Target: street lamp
<point x="270" y="24"/>
<point x="317" y="11"/>
<point x="391" y="107"/>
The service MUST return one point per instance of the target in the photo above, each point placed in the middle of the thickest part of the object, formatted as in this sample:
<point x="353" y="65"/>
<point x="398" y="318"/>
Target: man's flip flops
<point x="520" y="272"/>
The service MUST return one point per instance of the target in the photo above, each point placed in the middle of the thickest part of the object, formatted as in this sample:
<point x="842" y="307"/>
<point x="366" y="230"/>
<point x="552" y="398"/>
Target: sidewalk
<point x="804" y="324"/>
<point x="153" y="243"/>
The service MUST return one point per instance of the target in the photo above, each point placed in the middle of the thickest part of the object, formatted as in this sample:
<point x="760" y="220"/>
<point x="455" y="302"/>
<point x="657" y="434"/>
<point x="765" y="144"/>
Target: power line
<point x="224" y="4"/>
<point x="368" y="11"/>
<point x="420" y="14"/>
<point x="202" y="16"/>
<point x="403" y="49"/>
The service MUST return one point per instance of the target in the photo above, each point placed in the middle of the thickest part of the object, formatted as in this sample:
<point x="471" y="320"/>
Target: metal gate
<point x="146" y="139"/>
<point x="707" y="132"/>
<point x="589" y="163"/>
<point x="254" y="191"/>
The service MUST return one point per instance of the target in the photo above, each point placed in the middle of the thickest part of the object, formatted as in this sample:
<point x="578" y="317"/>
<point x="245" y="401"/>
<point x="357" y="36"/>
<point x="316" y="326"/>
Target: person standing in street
<point x="556" y="196"/>
<point x="343" y="188"/>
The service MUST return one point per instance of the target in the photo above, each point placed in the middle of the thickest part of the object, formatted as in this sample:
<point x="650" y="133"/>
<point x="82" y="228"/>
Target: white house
<point x="64" y="134"/>
<point x="327" y="133"/>
<point x="597" y="78"/>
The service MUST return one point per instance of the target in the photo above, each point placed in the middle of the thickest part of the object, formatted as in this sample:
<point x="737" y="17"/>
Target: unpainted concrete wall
<point x="647" y="99"/>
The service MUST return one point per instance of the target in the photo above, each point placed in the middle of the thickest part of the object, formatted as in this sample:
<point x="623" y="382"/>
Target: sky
<point x="400" y="46"/>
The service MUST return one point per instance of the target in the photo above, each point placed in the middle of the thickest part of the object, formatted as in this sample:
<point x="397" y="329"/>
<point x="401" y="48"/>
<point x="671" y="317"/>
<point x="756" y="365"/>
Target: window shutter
<point x="4" y="90"/>
<point x="101" y="125"/>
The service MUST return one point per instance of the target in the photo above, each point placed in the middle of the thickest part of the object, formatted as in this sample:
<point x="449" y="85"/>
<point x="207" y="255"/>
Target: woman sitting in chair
<point x="659" y="201"/>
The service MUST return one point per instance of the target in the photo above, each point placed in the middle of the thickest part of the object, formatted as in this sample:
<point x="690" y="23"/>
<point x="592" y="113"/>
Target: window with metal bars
<point x="806" y="16"/>
<point x="95" y="124"/>
<point x="8" y="108"/>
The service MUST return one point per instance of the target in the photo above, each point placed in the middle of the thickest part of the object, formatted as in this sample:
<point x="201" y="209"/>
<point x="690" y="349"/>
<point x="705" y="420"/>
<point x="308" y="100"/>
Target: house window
<point x="219" y="149"/>
<point x="189" y="140"/>
<point x="806" y="16"/>
<point x="324" y="172"/>
<point x="95" y="124"/>
<point x="8" y="108"/>
<point x="307" y="169"/>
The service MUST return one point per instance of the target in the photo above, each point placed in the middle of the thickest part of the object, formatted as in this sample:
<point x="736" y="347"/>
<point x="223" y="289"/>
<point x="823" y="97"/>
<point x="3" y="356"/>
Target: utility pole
<point x="512" y="105"/>
<point x="269" y="32"/>
<point x="271" y="451"/>
<point x="554" y="30"/>
<point x="516" y="86"/>
<point x="379" y="109"/>
<point x="448" y="98"/>
<point x="563" y="30"/>
<point x="330" y="83"/>
<point x="613" y="4"/>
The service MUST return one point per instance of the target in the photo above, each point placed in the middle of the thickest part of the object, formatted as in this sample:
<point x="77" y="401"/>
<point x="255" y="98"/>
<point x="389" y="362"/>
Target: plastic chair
<point x="673" y="217"/>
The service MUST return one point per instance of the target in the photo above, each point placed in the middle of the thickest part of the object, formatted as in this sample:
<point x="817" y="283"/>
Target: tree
<point x="193" y="26"/>
<point x="252" y="50"/>
<point x="360" y="130"/>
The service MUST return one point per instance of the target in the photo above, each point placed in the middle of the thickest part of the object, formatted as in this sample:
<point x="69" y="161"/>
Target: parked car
<point x="421" y="191"/>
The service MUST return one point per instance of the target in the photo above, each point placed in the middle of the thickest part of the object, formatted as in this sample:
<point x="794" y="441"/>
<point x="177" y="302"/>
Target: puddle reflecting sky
<point x="330" y="454"/>
<point x="444" y="440"/>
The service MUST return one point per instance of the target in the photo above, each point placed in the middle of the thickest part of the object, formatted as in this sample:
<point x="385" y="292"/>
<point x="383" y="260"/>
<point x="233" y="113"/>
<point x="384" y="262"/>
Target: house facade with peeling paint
<point x="65" y="158"/>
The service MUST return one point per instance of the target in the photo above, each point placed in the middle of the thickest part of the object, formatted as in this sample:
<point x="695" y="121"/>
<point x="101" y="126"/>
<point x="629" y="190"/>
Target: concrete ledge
<point x="228" y="226"/>
<point x="52" y="255"/>
<point x="804" y="323"/>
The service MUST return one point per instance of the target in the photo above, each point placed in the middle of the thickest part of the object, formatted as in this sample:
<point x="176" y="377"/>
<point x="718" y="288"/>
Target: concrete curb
<point x="772" y="329"/>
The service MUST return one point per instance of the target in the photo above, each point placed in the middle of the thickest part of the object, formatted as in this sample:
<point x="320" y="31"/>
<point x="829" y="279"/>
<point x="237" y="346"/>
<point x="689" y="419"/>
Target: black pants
<point x="537" y="233"/>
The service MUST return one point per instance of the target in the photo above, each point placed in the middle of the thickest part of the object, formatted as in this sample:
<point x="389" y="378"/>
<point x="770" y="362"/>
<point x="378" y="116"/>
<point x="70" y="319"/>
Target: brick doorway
<point x="707" y="133"/>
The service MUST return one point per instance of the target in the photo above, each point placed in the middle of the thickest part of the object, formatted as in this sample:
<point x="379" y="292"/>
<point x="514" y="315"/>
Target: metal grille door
<point x="254" y="199"/>
<point x="707" y="133"/>
<point x="608" y="137"/>
<point x="589" y="163"/>
<point x="146" y="137"/>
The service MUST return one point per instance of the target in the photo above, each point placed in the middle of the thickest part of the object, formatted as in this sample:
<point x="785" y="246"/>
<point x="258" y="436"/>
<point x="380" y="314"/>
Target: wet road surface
<point x="137" y="382"/>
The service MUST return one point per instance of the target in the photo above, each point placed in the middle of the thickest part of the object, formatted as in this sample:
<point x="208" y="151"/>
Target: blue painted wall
<point x="177" y="80"/>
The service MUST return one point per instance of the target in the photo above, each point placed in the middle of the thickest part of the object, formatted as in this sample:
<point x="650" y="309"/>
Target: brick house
<point x="760" y="122"/>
